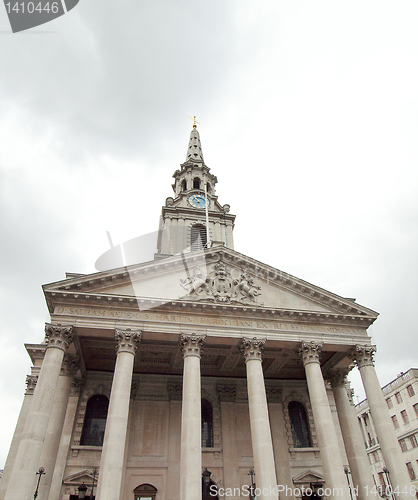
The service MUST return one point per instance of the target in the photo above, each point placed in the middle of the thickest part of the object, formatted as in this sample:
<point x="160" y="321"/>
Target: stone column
<point x="65" y="441"/>
<point x="191" y="422"/>
<point x="30" y="387"/>
<point x="262" y="444"/>
<point x="363" y="356"/>
<point x="278" y="434"/>
<point x="229" y="439"/>
<point x="69" y="368"/>
<point x="23" y="476"/>
<point x="353" y="440"/>
<point x="111" y="463"/>
<point x="324" y="423"/>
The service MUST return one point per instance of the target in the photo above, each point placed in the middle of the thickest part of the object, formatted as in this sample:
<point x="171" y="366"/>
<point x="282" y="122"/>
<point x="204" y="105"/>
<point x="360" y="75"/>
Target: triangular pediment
<point x="85" y="476"/>
<point x="217" y="276"/>
<point x="308" y="476"/>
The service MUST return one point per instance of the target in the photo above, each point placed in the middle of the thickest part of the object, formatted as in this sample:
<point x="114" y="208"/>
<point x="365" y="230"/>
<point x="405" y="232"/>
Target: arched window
<point x="184" y="185"/>
<point x="300" y="426"/>
<point x="207" y="424"/>
<point x="198" y="238"/>
<point x="95" y="421"/>
<point x="208" y="187"/>
<point x="196" y="183"/>
<point x="145" y="492"/>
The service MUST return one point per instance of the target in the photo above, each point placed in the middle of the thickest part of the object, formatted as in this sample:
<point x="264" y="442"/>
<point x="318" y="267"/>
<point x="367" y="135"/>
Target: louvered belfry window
<point x="198" y="238"/>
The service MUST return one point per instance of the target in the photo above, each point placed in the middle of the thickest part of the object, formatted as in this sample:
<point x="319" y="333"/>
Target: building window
<point x="196" y="183"/>
<point x="208" y="188"/>
<point x="410" y="390"/>
<point x="398" y="397"/>
<point x="411" y="471"/>
<point x="389" y="403"/>
<point x="414" y="441"/>
<point x="416" y="409"/>
<point x="395" y="421"/>
<point x="402" y="444"/>
<point x="207" y="424"/>
<point x="95" y="421"/>
<point x="198" y="238"/>
<point x="184" y="185"/>
<point x="299" y="424"/>
<point x="405" y="417"/>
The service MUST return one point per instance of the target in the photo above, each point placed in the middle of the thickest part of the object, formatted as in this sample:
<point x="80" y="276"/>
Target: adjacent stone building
<point x="197" y="374"/>
<point x="401" y="396"/>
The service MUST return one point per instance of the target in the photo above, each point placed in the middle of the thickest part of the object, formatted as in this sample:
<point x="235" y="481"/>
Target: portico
<point x="203" y="359"/>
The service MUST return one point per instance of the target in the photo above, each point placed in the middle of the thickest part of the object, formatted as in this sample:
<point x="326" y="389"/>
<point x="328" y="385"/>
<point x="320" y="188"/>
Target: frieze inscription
<point x="183" y="319"/>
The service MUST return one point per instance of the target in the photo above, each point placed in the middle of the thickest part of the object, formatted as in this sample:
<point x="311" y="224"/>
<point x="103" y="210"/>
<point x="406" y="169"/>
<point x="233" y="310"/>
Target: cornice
<point x="192" y="213"/>
<point x="125" y="302"/>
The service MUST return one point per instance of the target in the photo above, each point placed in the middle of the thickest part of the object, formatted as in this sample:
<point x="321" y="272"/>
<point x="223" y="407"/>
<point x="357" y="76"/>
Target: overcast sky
<point x="309" y="119"/>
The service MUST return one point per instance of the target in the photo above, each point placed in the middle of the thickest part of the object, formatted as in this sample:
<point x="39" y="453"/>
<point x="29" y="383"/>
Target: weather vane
<point x="195" y="123"/>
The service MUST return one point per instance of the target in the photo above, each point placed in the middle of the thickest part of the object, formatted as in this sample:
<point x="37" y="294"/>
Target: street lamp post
<point x="40" y="472"/>
<point x="206" y="479"/>
<point x="82" y="491"/>
<point x="347" y="472"/>
<point x="252" y="487"/>
<point x="95" y="471"/>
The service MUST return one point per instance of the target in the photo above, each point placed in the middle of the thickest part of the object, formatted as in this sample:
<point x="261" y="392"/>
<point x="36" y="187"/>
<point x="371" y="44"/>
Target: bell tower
<point x="194" y="219"/>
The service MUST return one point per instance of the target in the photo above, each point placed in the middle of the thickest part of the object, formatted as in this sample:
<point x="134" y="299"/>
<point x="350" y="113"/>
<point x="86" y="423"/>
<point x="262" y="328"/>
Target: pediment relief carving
<point x="220" y="286"/>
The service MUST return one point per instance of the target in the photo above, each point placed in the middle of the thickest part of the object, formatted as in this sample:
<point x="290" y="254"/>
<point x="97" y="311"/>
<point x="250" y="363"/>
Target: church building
<point x="201" y="374"/>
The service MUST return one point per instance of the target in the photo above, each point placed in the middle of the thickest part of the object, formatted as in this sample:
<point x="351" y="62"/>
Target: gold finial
<point x="195" y="123"/>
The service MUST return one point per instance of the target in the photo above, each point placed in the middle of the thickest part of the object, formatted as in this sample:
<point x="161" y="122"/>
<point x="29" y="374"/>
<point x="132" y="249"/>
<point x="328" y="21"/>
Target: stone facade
<point x="201" y="363"/>
<point x="401" y="396"/>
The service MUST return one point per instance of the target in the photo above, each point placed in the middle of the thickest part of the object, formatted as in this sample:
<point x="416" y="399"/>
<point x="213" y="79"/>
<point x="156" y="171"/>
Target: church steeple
<point x="194" y="151"/>
<point x="183" y="218"/>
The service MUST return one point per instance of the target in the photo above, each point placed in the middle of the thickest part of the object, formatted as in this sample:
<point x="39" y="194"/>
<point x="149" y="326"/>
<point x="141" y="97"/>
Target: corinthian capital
<point x="310" y="352"/>
<point x="58" y="336"/>
<point x="338" y="376"/>
<point x="127" y="341"/>
<point x="252" y="348"/>
<point x="31" y="383"/>
<point x="362" y="355"/>
<point x="191" y="345"/>
<point x="70" y="365"/>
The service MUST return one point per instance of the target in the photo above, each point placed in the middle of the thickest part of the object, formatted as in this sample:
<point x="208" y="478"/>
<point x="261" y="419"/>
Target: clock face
<point x="198" y="201"/>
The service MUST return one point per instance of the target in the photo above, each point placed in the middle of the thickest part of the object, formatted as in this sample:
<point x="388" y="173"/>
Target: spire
<point x="194" y="151"/>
